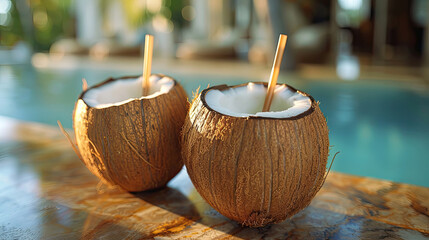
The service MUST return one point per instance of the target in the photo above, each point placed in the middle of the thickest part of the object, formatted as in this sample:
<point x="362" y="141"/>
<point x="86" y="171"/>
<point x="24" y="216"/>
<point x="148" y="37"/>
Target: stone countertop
<point x="47" y="193"/>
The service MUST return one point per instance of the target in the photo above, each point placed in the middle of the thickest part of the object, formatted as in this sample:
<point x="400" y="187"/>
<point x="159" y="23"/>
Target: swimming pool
<point x="381" y="130"/>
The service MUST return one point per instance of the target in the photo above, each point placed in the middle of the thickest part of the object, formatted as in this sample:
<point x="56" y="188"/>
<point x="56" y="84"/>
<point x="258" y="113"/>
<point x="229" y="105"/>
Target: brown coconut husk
<point x="255" y="170"/>
<point x="134" y="145"/>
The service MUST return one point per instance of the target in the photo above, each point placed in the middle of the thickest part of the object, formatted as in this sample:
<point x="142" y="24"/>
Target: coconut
<point x="131" y="140"/>
<point x="255" y="167"/>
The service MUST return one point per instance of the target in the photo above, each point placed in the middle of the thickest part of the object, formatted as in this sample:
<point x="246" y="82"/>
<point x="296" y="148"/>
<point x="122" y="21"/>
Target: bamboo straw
<point x="147" y="63"/>
<point x="275" y="72"/>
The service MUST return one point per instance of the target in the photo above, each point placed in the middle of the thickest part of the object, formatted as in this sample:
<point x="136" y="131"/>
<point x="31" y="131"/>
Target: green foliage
<point x="52" y="19"/>
<point x="11" y="33"/>
<point x="55" y="19"/>
<point x="138" y="12"/>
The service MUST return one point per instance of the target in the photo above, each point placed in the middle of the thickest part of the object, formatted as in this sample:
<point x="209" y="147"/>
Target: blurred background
<point x="366" y="61"/>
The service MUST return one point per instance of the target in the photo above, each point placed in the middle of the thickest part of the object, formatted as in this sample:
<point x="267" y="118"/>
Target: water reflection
<point x="346" y="105"/>
<point x="8" y="84"/>
<point x="379" y="129"/>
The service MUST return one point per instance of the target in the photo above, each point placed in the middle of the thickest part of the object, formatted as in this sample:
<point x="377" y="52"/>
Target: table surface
<point x="47" y="193"/>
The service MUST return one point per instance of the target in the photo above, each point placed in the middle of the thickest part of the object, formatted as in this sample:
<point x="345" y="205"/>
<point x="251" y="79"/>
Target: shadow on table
<point x="194" y="211"/>
<point x="145" y="215"/>
<point x="171" y="200"/>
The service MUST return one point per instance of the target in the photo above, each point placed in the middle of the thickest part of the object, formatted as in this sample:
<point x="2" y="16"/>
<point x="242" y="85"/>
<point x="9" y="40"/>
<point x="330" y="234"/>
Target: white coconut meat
<point x="125" y="90"/>
<point x="248" y="101"/>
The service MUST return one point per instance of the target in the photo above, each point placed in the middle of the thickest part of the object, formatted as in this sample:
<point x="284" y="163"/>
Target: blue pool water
<point x="381" y="130"/>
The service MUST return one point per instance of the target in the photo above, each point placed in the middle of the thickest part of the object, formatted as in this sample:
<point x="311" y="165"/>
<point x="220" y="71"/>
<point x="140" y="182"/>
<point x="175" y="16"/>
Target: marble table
<point x="47" y="193"/>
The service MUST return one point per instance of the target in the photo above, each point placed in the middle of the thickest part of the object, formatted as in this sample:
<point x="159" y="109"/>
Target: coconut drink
<point x="129" y="137"/>
<point x="255" y="167"/>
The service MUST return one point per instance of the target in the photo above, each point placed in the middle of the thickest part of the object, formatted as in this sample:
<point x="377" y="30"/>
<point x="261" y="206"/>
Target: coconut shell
<point x="134" y="145"/>
<point x="255" y="170"/>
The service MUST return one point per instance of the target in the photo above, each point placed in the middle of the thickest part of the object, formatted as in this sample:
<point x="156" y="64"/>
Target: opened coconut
<point x="131" y="140"/>
<point x="255" y="167"/>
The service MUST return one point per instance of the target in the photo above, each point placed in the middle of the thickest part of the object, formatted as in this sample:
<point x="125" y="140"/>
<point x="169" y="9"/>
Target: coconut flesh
<point x="255" y="167"/>
<point x="120" y="92"/>
<point x="248" y="101"/>
<point x="131" y="140"/>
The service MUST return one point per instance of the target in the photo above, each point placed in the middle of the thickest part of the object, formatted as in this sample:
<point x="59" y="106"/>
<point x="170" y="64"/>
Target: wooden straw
<point x="275" y="72"/>
<point x="147" y="63"/>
